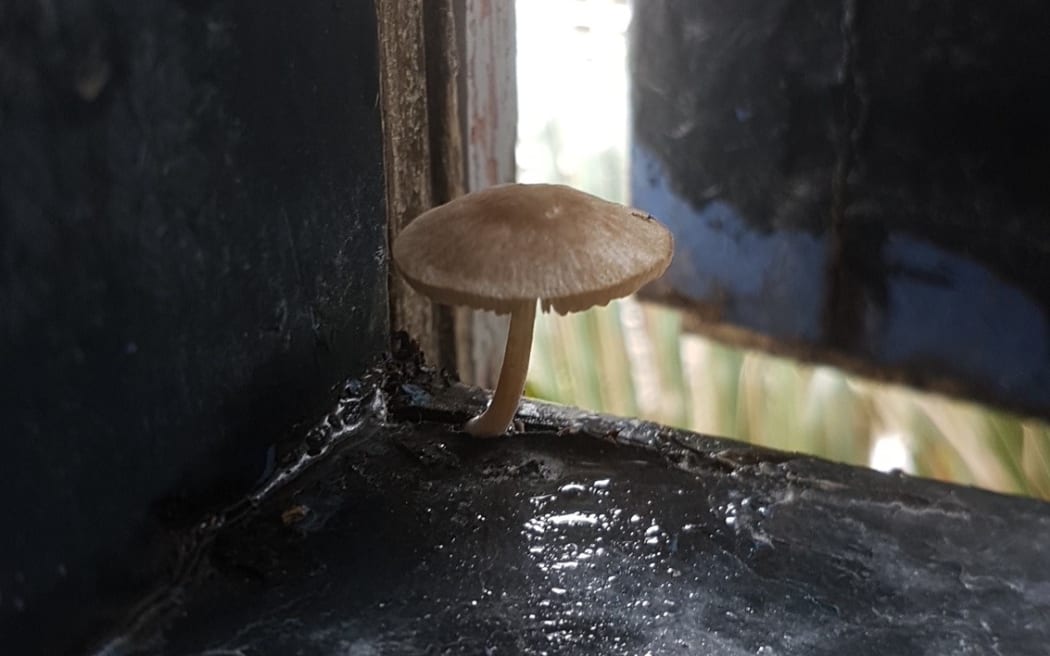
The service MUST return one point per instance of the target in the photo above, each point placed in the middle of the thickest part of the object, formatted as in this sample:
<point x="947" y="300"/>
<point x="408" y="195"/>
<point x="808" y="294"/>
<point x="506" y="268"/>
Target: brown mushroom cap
<point x="496" y="248"/>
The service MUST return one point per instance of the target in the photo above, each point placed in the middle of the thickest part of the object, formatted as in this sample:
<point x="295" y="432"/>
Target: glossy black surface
<point x="863" y="183"/>
<point x="191" y="257"/>
<point x="594" y="535"/>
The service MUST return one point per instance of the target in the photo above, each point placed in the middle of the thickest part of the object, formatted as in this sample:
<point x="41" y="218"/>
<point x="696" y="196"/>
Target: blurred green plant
<point x="634" y="360"/>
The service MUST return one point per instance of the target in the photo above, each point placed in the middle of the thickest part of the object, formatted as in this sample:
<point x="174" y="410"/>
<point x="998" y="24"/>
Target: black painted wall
<point x="859" y="182"/>
<point x="191" y="255"/>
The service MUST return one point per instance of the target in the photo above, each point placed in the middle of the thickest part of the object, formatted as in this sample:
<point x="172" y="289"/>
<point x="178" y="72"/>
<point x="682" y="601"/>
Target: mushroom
<point x="505" y="247"/>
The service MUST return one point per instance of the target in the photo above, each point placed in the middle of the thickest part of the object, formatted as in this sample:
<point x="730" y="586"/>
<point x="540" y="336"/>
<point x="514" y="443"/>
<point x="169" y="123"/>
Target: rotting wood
<point x="448" y="171"/>
<point x="490" y="126"/>
<point x="406" y="151"/>
<point x="449" y="104"/>
<point x="447" y="166"/>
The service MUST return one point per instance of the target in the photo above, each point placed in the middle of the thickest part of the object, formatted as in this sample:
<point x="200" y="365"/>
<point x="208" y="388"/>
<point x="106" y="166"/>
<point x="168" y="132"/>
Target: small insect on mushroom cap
<point x="495" y="248"/>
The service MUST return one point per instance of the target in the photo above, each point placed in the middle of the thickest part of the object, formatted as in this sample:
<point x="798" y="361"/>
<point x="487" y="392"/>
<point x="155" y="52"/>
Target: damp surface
<point x="589" y="535"/>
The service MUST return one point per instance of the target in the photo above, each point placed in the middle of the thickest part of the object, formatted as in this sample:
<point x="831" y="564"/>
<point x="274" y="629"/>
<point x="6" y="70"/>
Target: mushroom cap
<point x="499" y="247"/>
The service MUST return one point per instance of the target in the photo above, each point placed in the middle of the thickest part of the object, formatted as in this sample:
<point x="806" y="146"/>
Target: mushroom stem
<point x="498" y="416"/>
